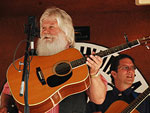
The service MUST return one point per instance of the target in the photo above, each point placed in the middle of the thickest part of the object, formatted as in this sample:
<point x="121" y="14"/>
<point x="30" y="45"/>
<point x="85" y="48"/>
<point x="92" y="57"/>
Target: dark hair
<point x="115" y="63"/>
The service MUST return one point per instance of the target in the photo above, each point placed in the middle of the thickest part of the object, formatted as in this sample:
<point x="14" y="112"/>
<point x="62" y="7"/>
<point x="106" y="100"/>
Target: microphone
<point x="33" y="31"/>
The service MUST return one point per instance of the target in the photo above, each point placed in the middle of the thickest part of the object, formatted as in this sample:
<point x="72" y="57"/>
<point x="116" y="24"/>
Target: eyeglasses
<point x="127" y="67"/>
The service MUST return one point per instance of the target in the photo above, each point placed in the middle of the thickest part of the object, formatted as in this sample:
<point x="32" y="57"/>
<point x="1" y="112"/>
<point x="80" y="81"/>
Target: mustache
<point x="46" y="36"/>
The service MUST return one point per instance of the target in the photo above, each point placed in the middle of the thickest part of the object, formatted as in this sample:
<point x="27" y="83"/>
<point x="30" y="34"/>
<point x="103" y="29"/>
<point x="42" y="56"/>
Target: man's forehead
<point x="126" y="61"/>
<point x="50" y="19"/>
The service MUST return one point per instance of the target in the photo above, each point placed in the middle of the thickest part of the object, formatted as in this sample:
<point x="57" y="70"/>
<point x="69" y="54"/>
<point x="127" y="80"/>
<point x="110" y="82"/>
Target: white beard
<point x="46" y="47"/>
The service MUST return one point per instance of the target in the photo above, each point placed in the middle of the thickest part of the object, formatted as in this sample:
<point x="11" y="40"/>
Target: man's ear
<point x="113" y="73"/>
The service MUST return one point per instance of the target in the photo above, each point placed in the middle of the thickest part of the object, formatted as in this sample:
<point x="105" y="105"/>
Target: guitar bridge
<point x="40" y="76"/>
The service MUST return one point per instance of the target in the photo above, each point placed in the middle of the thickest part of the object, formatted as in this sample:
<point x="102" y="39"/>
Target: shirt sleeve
<point x="6" y="89"/>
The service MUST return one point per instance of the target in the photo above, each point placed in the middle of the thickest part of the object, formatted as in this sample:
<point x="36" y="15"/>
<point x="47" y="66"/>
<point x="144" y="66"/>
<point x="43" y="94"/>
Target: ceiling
<point x="35" y="7"/>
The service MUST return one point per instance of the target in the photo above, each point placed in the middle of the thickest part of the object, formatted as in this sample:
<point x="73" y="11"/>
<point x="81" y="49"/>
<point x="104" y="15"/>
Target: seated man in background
<point x="57" y="34"/>
<point x="122" y="73"/>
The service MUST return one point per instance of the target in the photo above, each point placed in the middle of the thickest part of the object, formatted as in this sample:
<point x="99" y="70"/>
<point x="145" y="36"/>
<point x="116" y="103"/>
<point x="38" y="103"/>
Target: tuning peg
<point x="147" y="47"/>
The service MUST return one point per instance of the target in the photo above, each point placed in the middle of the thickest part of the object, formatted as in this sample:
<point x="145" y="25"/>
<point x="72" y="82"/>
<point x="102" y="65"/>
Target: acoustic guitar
<point x="53" y="78"/>
<point x="122" y="107"/>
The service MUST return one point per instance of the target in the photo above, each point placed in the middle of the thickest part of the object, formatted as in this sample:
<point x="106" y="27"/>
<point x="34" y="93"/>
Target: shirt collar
<point x="125" y="92"/>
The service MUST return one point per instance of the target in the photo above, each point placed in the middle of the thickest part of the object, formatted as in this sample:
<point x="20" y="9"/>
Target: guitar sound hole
<point x="62" y="68"/>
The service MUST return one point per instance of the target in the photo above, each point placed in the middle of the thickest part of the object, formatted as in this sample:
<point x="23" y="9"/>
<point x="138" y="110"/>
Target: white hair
<point x="64" y="22"/>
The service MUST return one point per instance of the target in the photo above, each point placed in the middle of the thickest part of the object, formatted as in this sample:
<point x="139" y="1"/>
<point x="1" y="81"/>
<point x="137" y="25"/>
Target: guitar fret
<point x="78" y="62"/>
<point x="112" y="50"/>
<point x="101" y="54"/>
<point x="118" y="48"/>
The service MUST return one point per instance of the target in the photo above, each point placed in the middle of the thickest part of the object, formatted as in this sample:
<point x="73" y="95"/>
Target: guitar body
<point x="57" y="84"/>
<point x="119" y="107"/>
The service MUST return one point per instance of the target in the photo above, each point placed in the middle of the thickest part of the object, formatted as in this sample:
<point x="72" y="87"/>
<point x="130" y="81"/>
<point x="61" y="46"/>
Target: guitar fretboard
<point x="137" y="101"/>
<point x="107" y="52"/>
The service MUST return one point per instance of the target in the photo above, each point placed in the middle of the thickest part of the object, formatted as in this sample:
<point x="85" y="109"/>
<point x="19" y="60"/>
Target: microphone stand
<point x="30" y="30"/>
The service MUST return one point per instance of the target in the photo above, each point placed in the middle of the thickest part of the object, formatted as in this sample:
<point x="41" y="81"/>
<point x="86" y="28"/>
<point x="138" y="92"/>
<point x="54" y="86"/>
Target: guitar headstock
<point x="145" y="41"/>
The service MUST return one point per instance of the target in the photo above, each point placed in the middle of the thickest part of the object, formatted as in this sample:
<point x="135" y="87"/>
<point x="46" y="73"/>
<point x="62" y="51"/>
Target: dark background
<point x="108" y="21"/>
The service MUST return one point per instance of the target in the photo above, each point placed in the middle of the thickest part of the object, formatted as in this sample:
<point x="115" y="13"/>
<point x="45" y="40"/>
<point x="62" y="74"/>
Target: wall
<point x="107" y="28"/>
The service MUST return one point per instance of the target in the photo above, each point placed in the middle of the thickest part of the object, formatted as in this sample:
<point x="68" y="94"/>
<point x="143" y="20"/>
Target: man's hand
<point x="94" y="63"/>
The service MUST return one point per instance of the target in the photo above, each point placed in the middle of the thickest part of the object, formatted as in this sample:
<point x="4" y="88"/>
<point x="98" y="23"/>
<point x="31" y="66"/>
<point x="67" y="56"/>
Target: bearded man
<point x="57" y="34"/>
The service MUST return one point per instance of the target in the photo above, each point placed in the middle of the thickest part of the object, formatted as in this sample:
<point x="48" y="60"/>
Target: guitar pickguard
<point x="56" y="80"/>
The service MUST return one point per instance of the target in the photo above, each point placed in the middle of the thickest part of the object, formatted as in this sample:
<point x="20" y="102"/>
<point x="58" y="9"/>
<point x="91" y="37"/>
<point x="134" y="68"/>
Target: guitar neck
<point x="107" y="52"/>
<point x="119" y="48"/>
<point x="137" y="101"/>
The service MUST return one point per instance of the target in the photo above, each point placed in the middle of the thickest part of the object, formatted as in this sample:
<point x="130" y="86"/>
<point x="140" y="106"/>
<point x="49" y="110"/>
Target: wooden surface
<point x="118" y="107"/>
